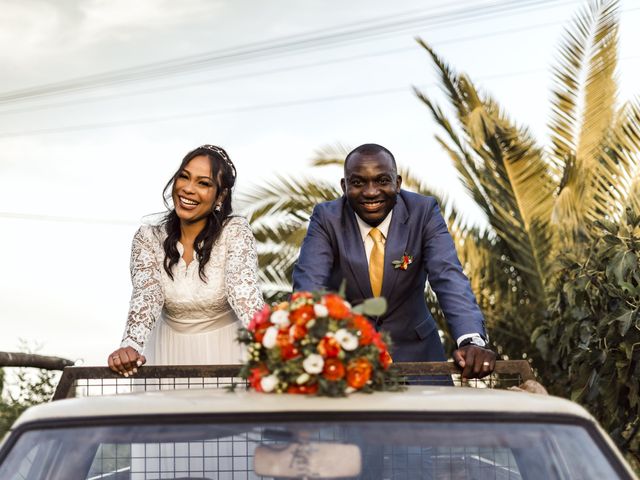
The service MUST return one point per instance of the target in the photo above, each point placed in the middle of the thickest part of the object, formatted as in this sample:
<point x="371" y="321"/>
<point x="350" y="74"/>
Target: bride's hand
<point x="126" y="361"/>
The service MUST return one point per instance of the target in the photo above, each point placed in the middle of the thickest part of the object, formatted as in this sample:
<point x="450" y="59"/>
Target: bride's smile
<point x="195" y="190"/>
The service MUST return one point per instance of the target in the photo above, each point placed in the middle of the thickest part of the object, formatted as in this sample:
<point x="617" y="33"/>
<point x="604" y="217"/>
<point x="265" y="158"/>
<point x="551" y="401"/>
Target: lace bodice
<point x="232" y="282"/>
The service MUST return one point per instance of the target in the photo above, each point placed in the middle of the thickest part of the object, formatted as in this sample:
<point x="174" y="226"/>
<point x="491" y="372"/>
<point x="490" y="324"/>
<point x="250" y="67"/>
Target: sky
<point x="272" y="82"/>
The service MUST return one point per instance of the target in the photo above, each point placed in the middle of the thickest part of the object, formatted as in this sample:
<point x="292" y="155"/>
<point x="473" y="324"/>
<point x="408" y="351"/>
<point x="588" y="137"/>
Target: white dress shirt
<point x="365" y="228"/>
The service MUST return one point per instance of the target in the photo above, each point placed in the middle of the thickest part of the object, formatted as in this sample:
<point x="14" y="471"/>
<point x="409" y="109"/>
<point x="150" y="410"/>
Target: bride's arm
<point x="147" y="297"/>
<point x="241" y="270"/>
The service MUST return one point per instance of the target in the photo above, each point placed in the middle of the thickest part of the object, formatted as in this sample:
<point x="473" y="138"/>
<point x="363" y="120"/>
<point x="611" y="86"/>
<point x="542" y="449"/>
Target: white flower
<point x="302" y="378"/>
<point x="269" y="383"/>
<point x="320" y="310"/>
<point x="270" y="337"/>
<point x="346" y="339"/>
<point x="280" y="318"/>
<point x="313" y="364"/>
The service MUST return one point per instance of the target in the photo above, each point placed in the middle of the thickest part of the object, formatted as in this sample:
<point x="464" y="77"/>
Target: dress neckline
<point x="181" y="260"/>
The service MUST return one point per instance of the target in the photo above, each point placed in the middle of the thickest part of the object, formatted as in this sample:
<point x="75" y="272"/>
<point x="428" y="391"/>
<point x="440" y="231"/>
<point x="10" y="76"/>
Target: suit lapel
<point x="395" y="246"/>
<point x="355" y="254"/>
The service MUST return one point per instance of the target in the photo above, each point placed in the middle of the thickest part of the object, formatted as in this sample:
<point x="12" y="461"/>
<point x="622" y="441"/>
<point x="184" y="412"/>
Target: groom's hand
<point x="476" y="362"/>
<point x="126" y="361"/>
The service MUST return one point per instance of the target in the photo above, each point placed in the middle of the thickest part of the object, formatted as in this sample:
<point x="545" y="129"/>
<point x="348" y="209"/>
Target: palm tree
<point x="538" y="200"/>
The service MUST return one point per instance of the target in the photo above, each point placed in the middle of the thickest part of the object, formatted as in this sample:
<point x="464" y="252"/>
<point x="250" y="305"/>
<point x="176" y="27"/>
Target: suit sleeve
<point x="313" y="269"/>
<point x="447" y="279"/>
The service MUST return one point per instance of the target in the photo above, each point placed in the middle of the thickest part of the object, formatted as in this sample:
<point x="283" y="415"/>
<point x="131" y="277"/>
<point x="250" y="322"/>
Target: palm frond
<point x="287" y="196"/>
<point x="566" y="91"/>
<point x="590" y="55"/>
<point x="617" y="164"/>
<point x="505" y="171"/>
<point x="330" y="155"/>
<point x="600" y="88"/>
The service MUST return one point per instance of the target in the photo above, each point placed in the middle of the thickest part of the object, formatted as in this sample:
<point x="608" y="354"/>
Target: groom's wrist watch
<point x="476" y="340"/>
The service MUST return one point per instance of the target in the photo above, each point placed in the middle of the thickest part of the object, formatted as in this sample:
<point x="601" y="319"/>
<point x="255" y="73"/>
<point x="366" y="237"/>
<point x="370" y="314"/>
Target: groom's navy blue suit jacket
<point x="333" y="251"/>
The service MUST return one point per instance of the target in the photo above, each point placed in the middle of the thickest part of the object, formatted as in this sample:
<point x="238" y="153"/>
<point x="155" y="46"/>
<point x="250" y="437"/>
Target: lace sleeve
<point x="147" y="297"/>
<point x="241" y="270"/>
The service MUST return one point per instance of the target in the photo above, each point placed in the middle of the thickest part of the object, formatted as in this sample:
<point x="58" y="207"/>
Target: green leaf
<point x="373" y="307"/>
<point x="612" y="239"/>
<point x="625" y="322"/>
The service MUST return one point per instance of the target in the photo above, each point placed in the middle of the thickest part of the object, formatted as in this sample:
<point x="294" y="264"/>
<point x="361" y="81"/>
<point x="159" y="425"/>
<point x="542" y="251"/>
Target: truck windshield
<point x="214" y="449"/>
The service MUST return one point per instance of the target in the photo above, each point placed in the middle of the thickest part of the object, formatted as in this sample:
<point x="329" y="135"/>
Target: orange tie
<point x="376" y="261"/>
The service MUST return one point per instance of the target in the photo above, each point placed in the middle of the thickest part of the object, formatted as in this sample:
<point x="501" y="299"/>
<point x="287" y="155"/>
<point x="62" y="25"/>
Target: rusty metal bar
<point x="503" y="367"/>
<point x="71" y="375"/>
<point x="31" y="360"/>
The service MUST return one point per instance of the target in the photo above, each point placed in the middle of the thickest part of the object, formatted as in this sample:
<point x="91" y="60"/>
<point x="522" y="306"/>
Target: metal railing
<point x="91" y="381"/>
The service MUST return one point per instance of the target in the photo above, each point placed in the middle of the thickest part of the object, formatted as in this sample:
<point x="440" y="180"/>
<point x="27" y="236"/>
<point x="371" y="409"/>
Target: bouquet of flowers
<point x="316" y="344"/>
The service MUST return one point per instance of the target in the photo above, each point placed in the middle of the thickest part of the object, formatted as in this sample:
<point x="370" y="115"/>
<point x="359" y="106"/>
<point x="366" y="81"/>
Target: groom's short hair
<point x="370" y="149"/>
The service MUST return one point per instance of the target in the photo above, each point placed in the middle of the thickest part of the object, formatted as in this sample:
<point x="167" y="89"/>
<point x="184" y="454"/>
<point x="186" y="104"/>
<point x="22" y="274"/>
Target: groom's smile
<point x="371" y="184"/>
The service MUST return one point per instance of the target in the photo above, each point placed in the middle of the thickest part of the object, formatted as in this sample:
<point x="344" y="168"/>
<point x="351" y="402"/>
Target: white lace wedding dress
<point x="186" y="321"/>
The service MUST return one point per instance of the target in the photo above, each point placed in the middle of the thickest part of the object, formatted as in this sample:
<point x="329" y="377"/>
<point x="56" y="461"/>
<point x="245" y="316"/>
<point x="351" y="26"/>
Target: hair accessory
<point x="220" y="151"/>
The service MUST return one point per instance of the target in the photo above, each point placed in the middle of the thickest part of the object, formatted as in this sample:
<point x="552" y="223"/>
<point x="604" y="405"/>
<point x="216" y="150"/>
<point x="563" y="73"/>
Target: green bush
<point x="29" y="390"/>
<point x="591" y="339"/>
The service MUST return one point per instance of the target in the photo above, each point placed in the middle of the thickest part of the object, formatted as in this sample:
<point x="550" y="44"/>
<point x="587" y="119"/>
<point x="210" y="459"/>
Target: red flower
<point x="303" y="389"/>
<point x="297" y="332"/>
<point x="333" y="369"/>
<point x="258" y="335"/>
<point x="378" y="342"/>
<point x="385" y="359"/>
<point x="358" y="373"/>
<point x="256" y="375"/>
<point x="287" y="349"/>
<point x="302" y="315"/>
<point x="337" y="307"/>
<point x="260" y="318"/>
<point x="328" y="347"/>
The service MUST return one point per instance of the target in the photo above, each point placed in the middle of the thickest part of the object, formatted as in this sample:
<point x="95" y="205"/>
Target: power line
<point x="354" y="32"/>
<point x="271" y="71"/>
<point x="232" y="110"/>
<point x="251" y="108"/>
<point x="53" y="218"/>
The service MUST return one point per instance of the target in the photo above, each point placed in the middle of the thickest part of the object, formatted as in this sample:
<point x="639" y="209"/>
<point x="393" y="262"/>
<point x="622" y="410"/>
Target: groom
<point x="387" y="242"/>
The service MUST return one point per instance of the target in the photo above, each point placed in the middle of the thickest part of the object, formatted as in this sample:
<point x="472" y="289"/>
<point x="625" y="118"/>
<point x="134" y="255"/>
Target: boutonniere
<point x="404" y="262"/>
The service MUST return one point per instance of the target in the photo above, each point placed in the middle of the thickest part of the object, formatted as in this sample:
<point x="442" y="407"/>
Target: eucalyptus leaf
<point x="372" y="307"/>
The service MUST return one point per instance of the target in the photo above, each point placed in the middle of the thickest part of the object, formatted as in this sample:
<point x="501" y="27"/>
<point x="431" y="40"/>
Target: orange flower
<point x="358" y="373"/>
<point x="282" y="306"/>
<point x="302" y="315"/>
<point x="328" y="347"/>
<point x="297" y="332"/>
<point x="367" y="332"/>
<point x="333" y="369"/>
<point x="256" y="375"/>
<point x="303" y="389"/>
<point x="338" y="309"/>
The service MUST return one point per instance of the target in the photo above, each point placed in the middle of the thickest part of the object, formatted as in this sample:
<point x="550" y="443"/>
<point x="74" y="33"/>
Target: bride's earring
<point x="218" y="208"/>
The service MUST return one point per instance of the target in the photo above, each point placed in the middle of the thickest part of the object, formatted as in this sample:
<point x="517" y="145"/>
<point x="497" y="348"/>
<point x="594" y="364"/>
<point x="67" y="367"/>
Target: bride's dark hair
<point x="224" y="174"/>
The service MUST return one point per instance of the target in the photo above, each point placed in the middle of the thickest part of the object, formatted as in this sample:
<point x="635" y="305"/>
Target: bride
<point x="194" y="276"/>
